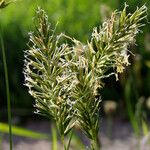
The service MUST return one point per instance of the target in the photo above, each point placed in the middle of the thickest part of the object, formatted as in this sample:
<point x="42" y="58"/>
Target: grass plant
<point x="66" y="79"/>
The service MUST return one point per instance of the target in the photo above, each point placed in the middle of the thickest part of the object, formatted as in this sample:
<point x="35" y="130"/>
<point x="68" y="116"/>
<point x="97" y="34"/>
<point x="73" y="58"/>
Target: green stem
<point x="69" y="142"/>
<point x="54" y="137"/>
<point x="95" y="144"/>
<point x="92" y="145"/>
<point x="63" y="142"/>
<point x="8" y="93"/>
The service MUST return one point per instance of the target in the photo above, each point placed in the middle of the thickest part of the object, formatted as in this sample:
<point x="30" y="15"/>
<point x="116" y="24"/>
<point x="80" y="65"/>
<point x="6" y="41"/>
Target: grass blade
<point x="4" y="128"/>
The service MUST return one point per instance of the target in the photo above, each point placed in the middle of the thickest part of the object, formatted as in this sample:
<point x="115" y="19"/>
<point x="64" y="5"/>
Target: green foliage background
<point x="75" y="18"/>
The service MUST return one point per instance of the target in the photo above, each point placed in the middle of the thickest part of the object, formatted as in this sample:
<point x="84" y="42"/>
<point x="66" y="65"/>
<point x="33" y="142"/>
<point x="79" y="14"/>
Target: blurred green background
<point x="75" y="18"/>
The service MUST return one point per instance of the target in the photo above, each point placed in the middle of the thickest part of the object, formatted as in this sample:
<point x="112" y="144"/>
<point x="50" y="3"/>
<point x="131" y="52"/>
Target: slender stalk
<point x="92" y="145"/>
<point x="7" y="93"/>
<point x="69" y="142"/>
<point x="54" y="138"/>
<point x="95" y="145"/>
<point x="63" y="142"/>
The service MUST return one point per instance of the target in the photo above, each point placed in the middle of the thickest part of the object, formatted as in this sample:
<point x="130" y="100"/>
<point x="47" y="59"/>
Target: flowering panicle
<point x="91" y="62"/>
<point x="66" y="80"/>
<point x="44" y="73"/>
<point x="111" y="40"/>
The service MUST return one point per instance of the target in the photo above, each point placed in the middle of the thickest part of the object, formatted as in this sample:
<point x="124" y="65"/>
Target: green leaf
<point x="4" y="128"/>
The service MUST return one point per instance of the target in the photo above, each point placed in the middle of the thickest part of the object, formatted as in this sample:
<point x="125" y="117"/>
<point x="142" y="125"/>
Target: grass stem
<point x="7" y="93"/>
<point x="54" y="137"/>
<point x="69" y="142"/>
<point x="63" y="142"/>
